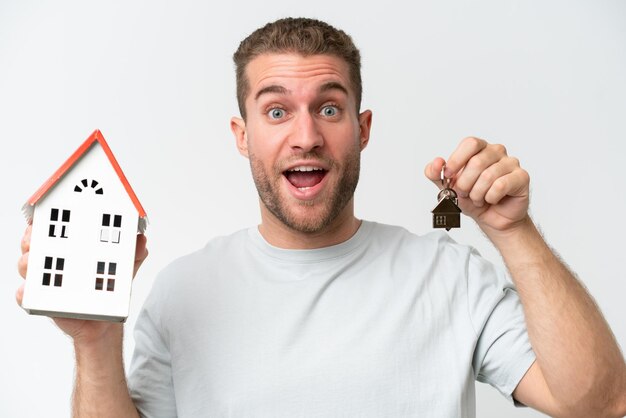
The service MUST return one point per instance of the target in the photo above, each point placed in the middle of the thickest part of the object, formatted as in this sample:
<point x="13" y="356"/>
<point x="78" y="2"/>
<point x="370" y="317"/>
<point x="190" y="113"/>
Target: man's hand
<point x="80" y="330"/>
<point x="492" y="187"/>
<point x="100" y="384"/>
<point x="580" y="371"/>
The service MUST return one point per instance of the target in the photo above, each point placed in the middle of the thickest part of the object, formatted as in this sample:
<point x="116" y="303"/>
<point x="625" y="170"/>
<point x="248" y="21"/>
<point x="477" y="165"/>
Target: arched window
<point x="84" y="184"/>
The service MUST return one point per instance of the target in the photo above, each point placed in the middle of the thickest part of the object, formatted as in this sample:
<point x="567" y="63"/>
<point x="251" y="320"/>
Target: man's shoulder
<point x="215" y="250"/>
<point x="433" y="246"/>
<point x="188" y="276"/>
<point x="387" y="233"/>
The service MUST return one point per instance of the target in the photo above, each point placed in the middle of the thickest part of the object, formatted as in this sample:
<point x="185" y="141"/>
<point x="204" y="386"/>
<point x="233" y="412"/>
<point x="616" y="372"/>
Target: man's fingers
<point x="22" y="264"/>
<point x="25" y="244"/>
<point x="476" y="166"/>
<point x="19" y="295"/>
<point x="468" y="147"/>
<point x="514" y="184"/>
<point x="487" y="178"/>
<point x="141" y="252"/>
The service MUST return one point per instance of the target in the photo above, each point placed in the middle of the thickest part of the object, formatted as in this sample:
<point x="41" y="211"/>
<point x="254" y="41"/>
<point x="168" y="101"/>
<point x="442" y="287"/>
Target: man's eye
<point x="329" y="111"/>
<point x="276" y="113"/>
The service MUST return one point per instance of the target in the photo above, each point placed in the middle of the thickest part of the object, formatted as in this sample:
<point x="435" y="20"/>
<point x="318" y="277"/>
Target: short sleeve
<point x="503" y="353"/>
<point x="150" y="377"/>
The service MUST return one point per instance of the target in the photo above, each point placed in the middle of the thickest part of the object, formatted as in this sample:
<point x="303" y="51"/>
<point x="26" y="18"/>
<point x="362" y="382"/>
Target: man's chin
<point x="306" y="216"/>
<point x="307" y="221"/>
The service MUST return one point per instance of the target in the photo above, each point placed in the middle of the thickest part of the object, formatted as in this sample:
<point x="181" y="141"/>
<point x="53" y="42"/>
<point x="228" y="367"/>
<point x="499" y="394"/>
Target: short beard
<point x="268" y="190"/>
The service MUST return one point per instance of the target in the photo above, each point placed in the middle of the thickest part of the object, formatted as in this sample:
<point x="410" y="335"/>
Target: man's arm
<point x="100" y="388"/>
<point x="579" y="370"/>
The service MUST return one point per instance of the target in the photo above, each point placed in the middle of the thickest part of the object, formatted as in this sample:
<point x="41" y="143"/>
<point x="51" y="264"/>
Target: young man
<point x="317" y="313"/>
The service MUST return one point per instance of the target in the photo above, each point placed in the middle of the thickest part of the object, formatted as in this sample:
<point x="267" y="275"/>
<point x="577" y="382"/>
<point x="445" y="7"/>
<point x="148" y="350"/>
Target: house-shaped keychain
<point x="447" y="214"/>
<point x="85" y="221"/>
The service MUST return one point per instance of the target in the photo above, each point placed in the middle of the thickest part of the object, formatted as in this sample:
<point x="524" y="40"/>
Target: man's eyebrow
<point x="274" y="88"/>
<point x="333" y="85"/>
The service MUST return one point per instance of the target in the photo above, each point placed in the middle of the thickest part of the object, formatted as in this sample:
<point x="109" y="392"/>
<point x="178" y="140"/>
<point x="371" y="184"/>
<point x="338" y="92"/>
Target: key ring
<point x="445" y="182"/>
<point x="446" y="191"/>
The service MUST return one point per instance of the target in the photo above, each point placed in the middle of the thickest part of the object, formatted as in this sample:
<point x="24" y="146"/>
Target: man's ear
<point x="365" y="126"/>
<point x="238" y="127"/>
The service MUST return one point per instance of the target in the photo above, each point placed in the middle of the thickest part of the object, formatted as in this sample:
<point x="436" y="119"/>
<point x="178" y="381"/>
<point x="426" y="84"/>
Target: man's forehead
<point x="276" y="72"/>
<point x="322" y="88"/>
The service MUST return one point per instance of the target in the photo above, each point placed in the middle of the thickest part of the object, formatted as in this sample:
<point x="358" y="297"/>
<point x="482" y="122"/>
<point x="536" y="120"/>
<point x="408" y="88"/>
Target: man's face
<point x="303" y="138"/>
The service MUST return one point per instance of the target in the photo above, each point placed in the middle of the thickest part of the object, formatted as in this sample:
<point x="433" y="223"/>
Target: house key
<point x="447" y="213"/>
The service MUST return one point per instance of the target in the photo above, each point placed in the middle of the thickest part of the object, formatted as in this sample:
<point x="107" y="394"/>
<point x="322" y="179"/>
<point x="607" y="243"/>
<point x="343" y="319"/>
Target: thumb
<point x="432" y="171"/>
<point x="141" y="252"/>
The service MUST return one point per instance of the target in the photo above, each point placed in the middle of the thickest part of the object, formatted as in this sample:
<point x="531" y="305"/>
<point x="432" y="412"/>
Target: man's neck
<point x="280" y="235"/>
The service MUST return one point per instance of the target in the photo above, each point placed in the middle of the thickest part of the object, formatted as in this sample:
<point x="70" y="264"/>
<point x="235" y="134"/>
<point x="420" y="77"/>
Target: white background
<point x="547" y="79"/>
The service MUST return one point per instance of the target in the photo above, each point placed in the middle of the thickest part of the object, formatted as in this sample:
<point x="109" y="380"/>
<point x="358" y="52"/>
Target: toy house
<point x="446" y="214"/>
<point x="85" y="221"/>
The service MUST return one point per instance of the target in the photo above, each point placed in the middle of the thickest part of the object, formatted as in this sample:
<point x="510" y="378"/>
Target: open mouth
<point x="305" y="177"/>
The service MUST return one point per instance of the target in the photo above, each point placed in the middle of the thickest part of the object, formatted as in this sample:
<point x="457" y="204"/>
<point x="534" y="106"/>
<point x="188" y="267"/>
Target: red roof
<point x="96" y="136"/>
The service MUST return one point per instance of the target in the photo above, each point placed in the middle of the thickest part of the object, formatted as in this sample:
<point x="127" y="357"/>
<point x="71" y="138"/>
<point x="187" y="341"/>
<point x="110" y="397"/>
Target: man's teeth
<point x="306" y="168"/>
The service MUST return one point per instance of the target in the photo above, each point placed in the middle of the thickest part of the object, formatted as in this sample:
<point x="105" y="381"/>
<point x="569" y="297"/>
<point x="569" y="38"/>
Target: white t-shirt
<point x="386" y="324"/>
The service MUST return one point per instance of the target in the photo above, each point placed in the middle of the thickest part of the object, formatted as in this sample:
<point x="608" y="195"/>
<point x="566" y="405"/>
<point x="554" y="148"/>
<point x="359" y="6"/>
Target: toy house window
<point x="105" y="272"/>
<point x="111" y="228"/>
<point x="59" y="220"/>
<point x="85" y="184"/>
<point x="440" y="220"/>
<point x="53" y="268"/>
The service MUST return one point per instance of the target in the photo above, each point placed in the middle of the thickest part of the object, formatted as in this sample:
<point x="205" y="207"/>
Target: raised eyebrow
<point x="274" y="88"/>
<point x="333" y="85"/>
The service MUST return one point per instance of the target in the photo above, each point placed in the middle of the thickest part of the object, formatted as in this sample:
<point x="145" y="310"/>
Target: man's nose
<point x="306" y="135"/>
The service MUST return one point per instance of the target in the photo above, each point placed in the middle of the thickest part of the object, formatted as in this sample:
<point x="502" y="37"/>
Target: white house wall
<point x="82" y="249"/>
